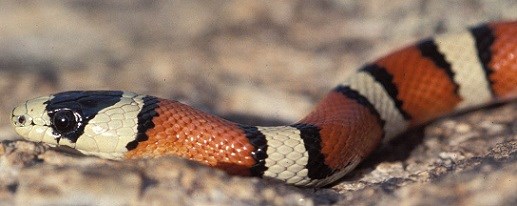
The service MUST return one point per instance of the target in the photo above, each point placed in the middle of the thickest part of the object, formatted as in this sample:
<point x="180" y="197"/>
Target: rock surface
<point x="256" y="62"/>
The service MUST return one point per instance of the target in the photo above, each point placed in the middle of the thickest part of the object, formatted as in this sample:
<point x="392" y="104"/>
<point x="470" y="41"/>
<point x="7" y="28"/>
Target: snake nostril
<point x="20" y="120"/>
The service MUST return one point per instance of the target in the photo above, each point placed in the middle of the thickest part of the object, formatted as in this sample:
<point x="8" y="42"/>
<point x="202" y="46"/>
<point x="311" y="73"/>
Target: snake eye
<point x="65" y="121"/>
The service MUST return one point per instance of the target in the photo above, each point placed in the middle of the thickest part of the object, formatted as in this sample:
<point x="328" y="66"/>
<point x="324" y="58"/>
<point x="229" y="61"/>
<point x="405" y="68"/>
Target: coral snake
<point x="405" y="88"/>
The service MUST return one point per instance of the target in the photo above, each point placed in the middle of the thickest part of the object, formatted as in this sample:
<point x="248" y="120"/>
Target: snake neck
<point x="180" y="130"/>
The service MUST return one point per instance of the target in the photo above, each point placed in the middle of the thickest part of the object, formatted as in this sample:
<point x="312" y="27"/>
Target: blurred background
<point x="255" y="62"/>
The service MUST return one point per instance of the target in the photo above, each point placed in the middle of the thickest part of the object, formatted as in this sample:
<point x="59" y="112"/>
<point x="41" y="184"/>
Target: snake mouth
<point x="31" y="121"/>
<point x="25" y="124"/>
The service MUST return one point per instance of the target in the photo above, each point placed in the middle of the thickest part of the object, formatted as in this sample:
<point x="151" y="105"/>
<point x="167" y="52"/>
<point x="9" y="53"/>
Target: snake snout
<point x="19" y="117"/>
<point x="21" y="120"/>
<point x="30" y="119"/>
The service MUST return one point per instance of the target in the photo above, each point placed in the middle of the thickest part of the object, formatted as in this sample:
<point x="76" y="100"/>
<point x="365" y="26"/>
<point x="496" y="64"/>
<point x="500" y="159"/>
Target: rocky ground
<point x="256" y="62"/>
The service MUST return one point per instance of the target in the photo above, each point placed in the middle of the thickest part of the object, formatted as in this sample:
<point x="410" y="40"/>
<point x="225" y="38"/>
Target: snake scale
<point x="408" y="87"/>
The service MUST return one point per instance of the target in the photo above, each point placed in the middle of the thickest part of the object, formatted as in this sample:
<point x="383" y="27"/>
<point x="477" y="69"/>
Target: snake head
<point x="94" y="122"/>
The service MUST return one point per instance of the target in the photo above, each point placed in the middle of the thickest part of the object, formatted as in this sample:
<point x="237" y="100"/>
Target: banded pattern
<point x="471" y="88"/>
<point x="405" y="88"/>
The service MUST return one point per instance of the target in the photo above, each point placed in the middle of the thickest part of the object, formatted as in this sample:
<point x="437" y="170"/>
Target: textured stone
<point x="35" y="175"/>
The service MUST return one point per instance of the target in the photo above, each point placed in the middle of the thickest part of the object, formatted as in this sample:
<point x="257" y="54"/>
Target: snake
<point x="382" y="99"/>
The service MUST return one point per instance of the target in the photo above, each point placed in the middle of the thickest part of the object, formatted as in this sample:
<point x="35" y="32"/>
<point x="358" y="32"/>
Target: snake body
<point x="382" y="99"/>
